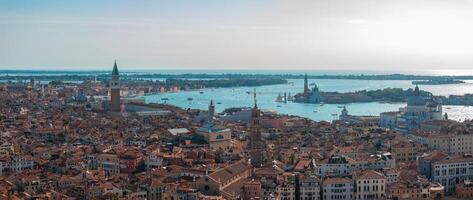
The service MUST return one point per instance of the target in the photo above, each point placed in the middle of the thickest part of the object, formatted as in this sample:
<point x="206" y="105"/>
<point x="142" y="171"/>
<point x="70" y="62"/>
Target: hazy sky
<point x="237" y="34"/>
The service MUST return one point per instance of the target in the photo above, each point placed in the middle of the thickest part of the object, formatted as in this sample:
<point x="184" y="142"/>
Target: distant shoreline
<point x="80" y="76"/>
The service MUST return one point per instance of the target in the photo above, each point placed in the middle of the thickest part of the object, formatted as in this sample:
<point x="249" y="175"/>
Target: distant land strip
<point x="105" y="76"/>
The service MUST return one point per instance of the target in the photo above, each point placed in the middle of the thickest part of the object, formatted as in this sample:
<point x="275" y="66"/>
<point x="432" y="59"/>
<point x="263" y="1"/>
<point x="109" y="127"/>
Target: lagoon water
<point x="238" y="97"/>
<point x="266" y="96"/>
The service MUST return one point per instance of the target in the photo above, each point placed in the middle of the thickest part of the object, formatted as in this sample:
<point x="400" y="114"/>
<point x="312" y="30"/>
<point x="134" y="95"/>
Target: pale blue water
<point x="237" y="97"/>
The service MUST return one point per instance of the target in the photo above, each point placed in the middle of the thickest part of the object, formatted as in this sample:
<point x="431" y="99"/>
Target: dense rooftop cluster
<point x="62" y="141"/>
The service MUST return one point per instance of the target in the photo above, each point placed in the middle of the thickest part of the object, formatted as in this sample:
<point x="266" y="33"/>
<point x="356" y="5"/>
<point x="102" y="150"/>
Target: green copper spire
<point x="115" y="69"/>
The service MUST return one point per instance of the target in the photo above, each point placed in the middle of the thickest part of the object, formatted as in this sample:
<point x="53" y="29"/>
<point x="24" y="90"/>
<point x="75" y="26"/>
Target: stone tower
<point x="115" y="90"/>
<point x="306" y="84"/>
<point x="211" y="111"/>
<point x="257" y="147"/>
<point x="344" y="111"/>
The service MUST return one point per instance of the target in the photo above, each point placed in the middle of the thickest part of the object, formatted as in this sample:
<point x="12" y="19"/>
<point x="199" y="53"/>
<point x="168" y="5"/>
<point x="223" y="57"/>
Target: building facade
<point x="451" y="171"/>
<point x="341" y="165"/>
<point x="419" y="190"/>
<point x="337" y="188"/>
<point x="309" y="187"/>
<point x="369" y="184"/>
<point x="218" y="137"/>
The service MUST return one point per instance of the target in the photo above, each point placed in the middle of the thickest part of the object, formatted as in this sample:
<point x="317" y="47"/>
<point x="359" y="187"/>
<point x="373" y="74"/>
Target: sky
<point x="387" y="35"/>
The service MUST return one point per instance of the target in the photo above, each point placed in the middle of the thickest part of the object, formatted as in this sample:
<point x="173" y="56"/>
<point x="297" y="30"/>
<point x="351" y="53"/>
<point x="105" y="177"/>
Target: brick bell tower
<point x="257" y="147"/>
<point x="115" y="90"/>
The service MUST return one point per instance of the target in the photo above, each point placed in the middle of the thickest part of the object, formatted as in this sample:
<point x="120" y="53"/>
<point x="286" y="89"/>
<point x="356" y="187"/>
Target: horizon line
<point x="350" y="72"/>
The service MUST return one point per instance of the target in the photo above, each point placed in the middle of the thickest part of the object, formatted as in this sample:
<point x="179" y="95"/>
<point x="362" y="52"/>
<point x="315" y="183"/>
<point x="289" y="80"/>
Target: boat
<point x="219" y="103"/>
<point x="164" y="99"/>
<point x="201" y="92"/>
<point x="340" y="106"/>
<point x="280" y="98"/>
<point x="315" y="111"/>
<point x="290" y="97"/>
<point x="278" y="106"/>
<point x="190" y="99"/>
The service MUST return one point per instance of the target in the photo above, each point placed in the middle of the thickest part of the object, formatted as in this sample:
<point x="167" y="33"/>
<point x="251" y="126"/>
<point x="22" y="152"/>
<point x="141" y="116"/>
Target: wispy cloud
<point x="73" y="21"/>
<point x="241" y="27"/>
<point x="361" y="21"/>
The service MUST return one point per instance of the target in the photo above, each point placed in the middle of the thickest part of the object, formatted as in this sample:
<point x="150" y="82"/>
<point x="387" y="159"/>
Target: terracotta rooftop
<point x="337" y="180"/>
<point x="225" y="174"/>
<point x="368" y="174"/>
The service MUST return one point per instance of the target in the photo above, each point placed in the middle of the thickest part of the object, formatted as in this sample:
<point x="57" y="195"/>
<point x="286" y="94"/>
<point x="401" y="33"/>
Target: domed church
<point x="418" y="110"/>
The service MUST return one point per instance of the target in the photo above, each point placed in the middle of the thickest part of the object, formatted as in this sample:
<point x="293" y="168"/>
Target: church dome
<point x="416" y="99"/>
<point x="315" y="89"/>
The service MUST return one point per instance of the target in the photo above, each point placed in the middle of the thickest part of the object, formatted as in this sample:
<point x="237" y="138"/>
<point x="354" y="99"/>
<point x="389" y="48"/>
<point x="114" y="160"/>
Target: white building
<point x="369" y="184"/>
<point x="21" y="163"/>
<point x="110" y="163"/>
<point x="337" y="188"/>
<point x="392" y="175"/>
<point x="16" y="163"/>
<point x="342" y="165"/>
<point x="285" y="192"/>
<point x="309" y="188"/>
<point x="451" y="171"/>
<point x="91" y="161"/>
<point x="388" y="119"/>
<point x="461" y="144"/>
<point x="153" y="161"/>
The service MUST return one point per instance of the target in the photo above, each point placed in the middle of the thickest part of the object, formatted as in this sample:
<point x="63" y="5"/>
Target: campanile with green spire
<point x="115" y="89"/>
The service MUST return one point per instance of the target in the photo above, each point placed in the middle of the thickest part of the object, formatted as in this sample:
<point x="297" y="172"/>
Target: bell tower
<point x="115" y="89"/>
<point x="211" y="113"/>
<point x="257" y="146"/>
<point x="306" y="84"/>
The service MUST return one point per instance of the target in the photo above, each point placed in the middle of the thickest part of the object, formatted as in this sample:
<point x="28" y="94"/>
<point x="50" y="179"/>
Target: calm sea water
<point x="266" y="96"/>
